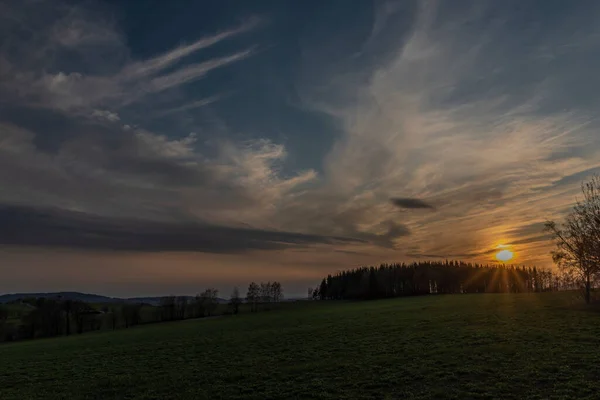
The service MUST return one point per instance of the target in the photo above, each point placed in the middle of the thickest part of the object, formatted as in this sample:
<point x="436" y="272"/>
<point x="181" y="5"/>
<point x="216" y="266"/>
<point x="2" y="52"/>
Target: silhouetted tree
<point x="235" y="300"/>
<point x="199" y="306"/>
<point x="209" y="300"/>
<point x="276" y="292"/>
<point x="317" y="293"/>
<point x="265" y="292"/>
<point x="323" y="290"/>
<point x="80" y="311"/>
<point x="131" y="314"/>
<point x="422" y="278"/>
<point x="47" y="317"/>
<point x="4" y="334"/>
<point x="114" y="315"/>
<point x="253" y="296"/>
<point x="578" y="239"/>
<point x="3" y="314"/>
<point x="167" y="305"/>
<point x="68" y="309"/>
<point x="181" y="306"/>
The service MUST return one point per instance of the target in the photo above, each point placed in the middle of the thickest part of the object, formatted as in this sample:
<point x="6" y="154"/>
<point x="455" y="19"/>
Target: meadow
<point x="479" y="346"/>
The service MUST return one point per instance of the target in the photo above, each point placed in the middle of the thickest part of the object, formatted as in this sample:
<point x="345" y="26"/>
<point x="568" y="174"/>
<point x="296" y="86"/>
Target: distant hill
<point x="89" y="298"/>
<point x="86" y="297"/>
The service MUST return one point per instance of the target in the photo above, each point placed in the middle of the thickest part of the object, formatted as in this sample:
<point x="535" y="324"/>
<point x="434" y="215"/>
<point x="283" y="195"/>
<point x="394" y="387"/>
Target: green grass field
<point x="527" y="346"/>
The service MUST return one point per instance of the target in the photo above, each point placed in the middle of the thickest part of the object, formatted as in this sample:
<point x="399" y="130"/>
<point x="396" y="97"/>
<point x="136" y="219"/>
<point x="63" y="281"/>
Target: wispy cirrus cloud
<point x="451" y="117"/>
<point x="193" y="72"/>
<point x="159" y="63"/>
<point x="477" y="111"/>
<point x="187" y="107"/>
<point x="115" y="79"/>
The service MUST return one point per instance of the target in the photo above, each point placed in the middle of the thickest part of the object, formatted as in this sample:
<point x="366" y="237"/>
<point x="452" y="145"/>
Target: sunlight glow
<point x="505" y="255"/>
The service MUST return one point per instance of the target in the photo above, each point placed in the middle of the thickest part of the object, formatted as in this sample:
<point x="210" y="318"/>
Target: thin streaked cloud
<point x="403" y="130"/>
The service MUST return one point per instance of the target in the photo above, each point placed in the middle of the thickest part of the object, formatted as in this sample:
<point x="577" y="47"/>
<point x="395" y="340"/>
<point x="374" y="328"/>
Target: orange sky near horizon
<point x="149" y="153"/>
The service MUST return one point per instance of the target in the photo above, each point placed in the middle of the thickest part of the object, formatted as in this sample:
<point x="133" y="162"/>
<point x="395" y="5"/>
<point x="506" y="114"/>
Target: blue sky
<point x="158" y="147"/>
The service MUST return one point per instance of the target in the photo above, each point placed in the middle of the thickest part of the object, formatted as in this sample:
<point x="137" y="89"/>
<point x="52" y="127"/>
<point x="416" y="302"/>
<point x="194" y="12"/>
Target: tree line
<point x="48" y="317"/>
<point x="265" y="294"/>
<point x="429" y="277"/>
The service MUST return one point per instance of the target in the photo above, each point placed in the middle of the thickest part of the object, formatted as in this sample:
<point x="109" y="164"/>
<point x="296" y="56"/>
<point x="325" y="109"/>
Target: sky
<point x="165" y="147"/>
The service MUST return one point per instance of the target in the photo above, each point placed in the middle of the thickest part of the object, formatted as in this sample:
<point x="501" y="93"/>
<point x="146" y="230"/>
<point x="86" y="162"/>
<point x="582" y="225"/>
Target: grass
<point x="453" y="347"/>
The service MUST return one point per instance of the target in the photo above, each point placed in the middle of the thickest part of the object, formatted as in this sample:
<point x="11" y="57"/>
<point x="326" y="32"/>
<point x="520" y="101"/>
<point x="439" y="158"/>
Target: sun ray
<point x="474" y="279"/>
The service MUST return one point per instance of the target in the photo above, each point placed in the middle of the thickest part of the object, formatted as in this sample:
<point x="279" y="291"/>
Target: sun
<point x="505" y="255"/>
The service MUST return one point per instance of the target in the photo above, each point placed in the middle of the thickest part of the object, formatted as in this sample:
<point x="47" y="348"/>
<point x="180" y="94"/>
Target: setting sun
<point x="505" y="255"/>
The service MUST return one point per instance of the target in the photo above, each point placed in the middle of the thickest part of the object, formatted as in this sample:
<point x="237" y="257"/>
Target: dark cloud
<point x="455" y="256"/>
<point x="394" y="231"/>
<point x="405" y="202"/>
<point x="533" y="239"/>
<point x="397" y="230"/>
<point x="352" y="253"/>
<point x="25" y="226"/>
<point x="534" y="228"/>
<point x="531" y="233"/>
<point x="474" y="254"/>
<point x="576" y="178"/>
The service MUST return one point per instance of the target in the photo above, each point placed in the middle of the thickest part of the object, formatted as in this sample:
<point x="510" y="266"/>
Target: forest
<point x="436" y="277"/>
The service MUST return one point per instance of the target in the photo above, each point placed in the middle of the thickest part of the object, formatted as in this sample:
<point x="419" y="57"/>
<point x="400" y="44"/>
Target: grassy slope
<point x="462" y="346"/>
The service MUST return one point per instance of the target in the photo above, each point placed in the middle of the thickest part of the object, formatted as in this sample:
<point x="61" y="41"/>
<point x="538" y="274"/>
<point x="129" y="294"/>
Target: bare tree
<point x="113" y="317"/>
<point x="68" y="309"/>
<point x="5" y="332"/>
<point x="276" y="292"/>
<point x="3" y="314"/>
<point x="235" y="300"/>
<point x="131" y="314"/>
<point x="578" y="239"/>
<point x="199" y="305"/>
<point x="213" y="301"/>
<point x="181" y="306"/>
<point x="209" y="300"/>
<point x="167" y="305"/>
<point x="253" y="296"/>
<point x="80" y="312"/>
<point x="265" y="292"/>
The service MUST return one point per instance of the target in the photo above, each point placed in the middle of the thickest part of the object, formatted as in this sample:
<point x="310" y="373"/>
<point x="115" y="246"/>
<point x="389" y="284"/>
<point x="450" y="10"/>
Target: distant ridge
<point x="86" y="297"/>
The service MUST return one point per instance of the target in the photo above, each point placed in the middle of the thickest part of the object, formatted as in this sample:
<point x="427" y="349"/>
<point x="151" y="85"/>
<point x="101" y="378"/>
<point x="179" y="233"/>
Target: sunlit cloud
<point x="436" y="122"/>
<point x="453" y="131"/>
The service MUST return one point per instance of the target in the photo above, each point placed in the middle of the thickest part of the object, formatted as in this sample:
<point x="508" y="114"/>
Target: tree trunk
<point x="68" y="323"/>
<point x="588" y="287"/>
